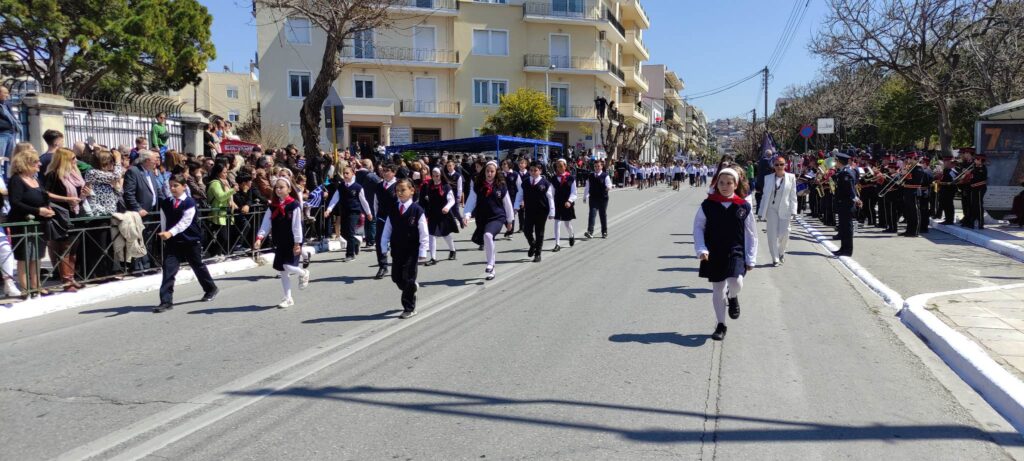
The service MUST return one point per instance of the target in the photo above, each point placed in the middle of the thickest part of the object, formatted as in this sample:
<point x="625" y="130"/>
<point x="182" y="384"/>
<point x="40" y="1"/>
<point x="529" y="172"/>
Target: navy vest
<point x="174" y="214"/>
<point x="387" y="201"/>
<point x="563" y="191"/>
<point x="598" y="189"/>
<point x="405" y="231"/>
<point x="350" y="197"/>
<point x="281" y="226"/>
<point x="724" y="231"/>
<point x="535" y="198"/>
<point x="510" y="182"/>
<point x="490" y="207"/>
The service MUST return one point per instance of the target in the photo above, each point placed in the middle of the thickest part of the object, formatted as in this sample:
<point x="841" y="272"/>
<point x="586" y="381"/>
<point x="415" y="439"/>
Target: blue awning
<point x="496" y="143"/>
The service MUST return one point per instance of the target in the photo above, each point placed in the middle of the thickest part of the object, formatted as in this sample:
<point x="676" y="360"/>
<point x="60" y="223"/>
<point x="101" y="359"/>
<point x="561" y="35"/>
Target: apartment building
<point x="232" y="95"/>
<point x="442" y="66"/>
<point x="668" y="107"/>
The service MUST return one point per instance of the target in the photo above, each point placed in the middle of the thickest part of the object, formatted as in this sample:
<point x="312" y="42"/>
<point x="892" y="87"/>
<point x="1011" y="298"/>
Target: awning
<point x="1013" y="110"/>
<point x="496" y="143"/>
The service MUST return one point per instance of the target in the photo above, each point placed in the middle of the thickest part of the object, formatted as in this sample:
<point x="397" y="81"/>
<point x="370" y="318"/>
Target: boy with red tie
<point x="406" y="236"/>
<point x="180" y="232"/>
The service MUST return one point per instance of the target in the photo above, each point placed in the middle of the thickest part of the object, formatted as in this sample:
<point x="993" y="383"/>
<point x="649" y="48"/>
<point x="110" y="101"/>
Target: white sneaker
<point x="304" y="280"/>
<point x="11" y="288"/>
<point x="286" y="302"/>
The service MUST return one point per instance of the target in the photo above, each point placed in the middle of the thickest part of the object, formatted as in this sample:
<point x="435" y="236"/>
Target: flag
<point x="316" y="197"/>
<point x="768" y="144"/>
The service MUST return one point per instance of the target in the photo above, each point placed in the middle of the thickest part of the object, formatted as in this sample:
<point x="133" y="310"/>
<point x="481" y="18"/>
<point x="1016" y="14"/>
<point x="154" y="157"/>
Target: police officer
<point x="846" y="202"/>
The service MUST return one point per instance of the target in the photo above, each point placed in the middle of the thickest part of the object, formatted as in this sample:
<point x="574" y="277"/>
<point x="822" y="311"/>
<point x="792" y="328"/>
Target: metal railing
<point x="615" y="70"/>
<point x="635" y="74"/>
<point x="113" y="129"/>
<point x="431" y="4"/>
<point x="565" y="62"/>
<point x="398" y="53"/>
<point x="569" y="9"/>
<point x="430" y="107"/>
<point x="610" y="16"/>
<point x="587" y="112"/>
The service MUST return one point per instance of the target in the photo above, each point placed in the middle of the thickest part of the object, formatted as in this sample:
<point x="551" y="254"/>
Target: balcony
<point x="575" y="113"/>
<point x="401" y="56"/>
<point x="369" y="106"/>
<point x="632" y="10"/>
<point x="429" y="7"/>
<point x="576" y="12"/>
<point x="635" y="45"/>
<point x="430" y="109"/>
<point x="673" y="95"/>
<point x="575" y="65"/>
<point x="636" y="79"/>
<point x="637" y="111"/>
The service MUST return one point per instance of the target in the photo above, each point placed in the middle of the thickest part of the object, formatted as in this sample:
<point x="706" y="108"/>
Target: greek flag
<point x="316" y="197"/>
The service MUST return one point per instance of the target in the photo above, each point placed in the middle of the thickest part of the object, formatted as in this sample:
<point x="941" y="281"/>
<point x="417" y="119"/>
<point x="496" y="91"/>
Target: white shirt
<point x="550" y="194"/>
<point x="337" y="197"/>
<point x="385" y="238"/>
<point x="749" y="233"/>
<point x="186" y="219"/>
<point x="296" y="226"/>
<point x="607" y="183"/>
<point x="510" y="215"/>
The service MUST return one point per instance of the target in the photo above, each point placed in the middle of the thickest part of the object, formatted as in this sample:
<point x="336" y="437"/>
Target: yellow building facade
<point x="442" y="66"/>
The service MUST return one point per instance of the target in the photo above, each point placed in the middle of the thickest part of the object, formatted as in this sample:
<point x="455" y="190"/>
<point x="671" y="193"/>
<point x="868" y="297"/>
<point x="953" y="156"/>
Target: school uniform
<point x="724" y="229"/>
<point x="434" y="198"/>
<point x="406" y="235"/>
<point x="283" y="221"/>
<point x="178" y="216"/>
<point x="385" y="206"/>
<point x="352" y="203"/>
<point x="524" y="177"/>
<point x="596" y="193"/>
<point x="537" y="203"/>
<point x="492" y="207"/>
<point x="514" y="182"/>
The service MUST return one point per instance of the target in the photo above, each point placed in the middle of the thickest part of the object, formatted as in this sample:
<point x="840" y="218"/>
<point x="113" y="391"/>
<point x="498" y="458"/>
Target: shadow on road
<point x="356" y="318"/>
<point x="661" y="338"/>
<point x="678" y="269"/>
<point x="348" y="280"/>
<point x="677" y="257"/>
<point x="116" y="311"/>
<point x="452" y="282"/>
<point x="681" y="290"/>
<point x="504" y="409"/>
<point x="232" y="310"/>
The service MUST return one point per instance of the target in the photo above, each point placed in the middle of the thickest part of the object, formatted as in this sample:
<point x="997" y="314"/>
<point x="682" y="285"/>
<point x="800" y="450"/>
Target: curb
<point x="1002" y="247"/>
<point x="890" y="296"/>
<point x="36" y="307"/>
<point x="1000" y="388"/>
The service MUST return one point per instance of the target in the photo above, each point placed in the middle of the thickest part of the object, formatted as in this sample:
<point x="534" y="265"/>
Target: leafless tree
<point x="921" y="40"/>
<point x="996" y="59"/>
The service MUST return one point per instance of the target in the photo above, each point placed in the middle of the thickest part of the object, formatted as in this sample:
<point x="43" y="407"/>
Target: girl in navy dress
<point x="437" y="200"/>
<point x="564" y="185"/>
<point x="489" y="201"/>
<point x="283" y="220"/>
<point x="725" y="240"/>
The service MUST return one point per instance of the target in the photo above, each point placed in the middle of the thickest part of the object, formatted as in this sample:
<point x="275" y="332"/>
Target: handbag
<point x="58" y="226"/>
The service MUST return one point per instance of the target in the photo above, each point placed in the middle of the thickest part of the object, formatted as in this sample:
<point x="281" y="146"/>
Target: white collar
<point x="405" y="203"/>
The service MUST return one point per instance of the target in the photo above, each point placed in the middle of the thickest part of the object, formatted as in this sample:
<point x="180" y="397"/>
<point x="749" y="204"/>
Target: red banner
<point x="228" y="145"/>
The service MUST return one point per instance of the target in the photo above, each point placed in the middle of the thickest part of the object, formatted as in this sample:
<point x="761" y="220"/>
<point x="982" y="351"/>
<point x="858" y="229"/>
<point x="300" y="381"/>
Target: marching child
<point x="598" y="186"/>
<point x="350" y="196"/>
<point x="180" y="231"/>
<point x="489" y="201"/>
<point x="437" y="200"/>
<point x="283" y="220"/>
<point x="405" y="235"/>
<point x="725" y="240"/>
<point x="536" y="204"/>
<point x="565" y="203"/>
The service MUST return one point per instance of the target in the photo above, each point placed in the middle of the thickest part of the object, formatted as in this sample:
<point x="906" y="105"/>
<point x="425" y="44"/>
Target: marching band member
<point x="489" y="199"/>
<point x="283" y="220"/>
<point x="977" y="186"/>
<point x="846" y="202"/>
<point x="947" y="192"/>
<point x="725" y="240"/>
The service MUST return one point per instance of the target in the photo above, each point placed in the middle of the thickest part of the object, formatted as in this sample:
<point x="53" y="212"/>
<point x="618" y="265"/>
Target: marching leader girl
<point x="725" y="240"/>
<point x="437" y="200"/>
<point x="283" y="220"/>
<point x="405" y="235"/>
<point x="489" y="201"/>
<point x="565" y="203"/>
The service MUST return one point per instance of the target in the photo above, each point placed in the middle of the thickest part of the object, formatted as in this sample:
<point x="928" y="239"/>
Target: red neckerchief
<point x="735" y="199"/>
<point x="563" y="177"/>
<point x="277" y="206"/>
<point x="488" y="188"/>
<point x="440" y="189"/>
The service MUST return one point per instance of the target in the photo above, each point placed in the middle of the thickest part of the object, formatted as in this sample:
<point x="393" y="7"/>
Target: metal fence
<point x="112" y="129"/>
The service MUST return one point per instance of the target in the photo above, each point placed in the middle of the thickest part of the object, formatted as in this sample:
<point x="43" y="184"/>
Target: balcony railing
<point x="397" y="53"/>
<point x="430" y="4"/>
<point x="576" y="111"/>
<point x="636" y="36"/>
<point x="635" y="73"/>
<point x="430" y="107"/>
<point x="614" y="22"/>
<point x="565" y="62"/>
<point x="573" y="9"/>
<point x="643" y="110"/>
<point x="615" y="70"/>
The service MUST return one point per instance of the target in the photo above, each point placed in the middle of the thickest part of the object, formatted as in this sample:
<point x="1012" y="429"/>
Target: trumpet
<point x="963" y="175"/>
<point x="896" y="181"/>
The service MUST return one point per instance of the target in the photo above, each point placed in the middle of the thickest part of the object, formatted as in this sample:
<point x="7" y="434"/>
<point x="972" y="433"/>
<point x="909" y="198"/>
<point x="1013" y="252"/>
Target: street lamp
<point x="547" y="90"/>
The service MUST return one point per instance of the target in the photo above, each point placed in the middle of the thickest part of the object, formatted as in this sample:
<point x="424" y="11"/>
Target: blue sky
<point x="708" y="43"/>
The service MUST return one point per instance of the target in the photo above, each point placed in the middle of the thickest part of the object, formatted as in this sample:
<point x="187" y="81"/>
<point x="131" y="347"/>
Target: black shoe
<point x="407" y="314"/>
<point x="163" y="307"/>
<point x="305" y="261"/>
<point x="841" y="253"/>
<point x="530" y="253"/>
<point x="381" y="273"/>
<point x="480" y="247"/>
<point x="536" y="257"/>
<point x="556" y="249"/>
<point x="508" y="234"/>
<point x="588" y="234"/>
<point x="604" y="235"/>
<point x="719" y="333"/>
<point x="431" y="262"/>
<point x="834" y="237"/>
<point x="347" y="259"/>
<point x="451" y="256"/>
<point x="572" y="241"/>
<point x="210" y="296"/>
<point x="734" y="308"/>
<point x="908" y="234"/>
<point x="948" y="223"/>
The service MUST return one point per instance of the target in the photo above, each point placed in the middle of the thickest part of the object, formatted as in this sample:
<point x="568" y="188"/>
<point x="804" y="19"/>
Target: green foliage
<point x="903" y="117"/>
<point x="409" y="156"/>
<point x="77" y="46"/>
<point x="526" y="113"/>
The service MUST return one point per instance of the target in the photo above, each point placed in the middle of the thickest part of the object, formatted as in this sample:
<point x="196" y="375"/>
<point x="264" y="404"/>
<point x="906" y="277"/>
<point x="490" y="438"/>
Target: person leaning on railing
<point x="28" y="199"/>
<point x="219" y="194"/>
<point x="65" y="185"/>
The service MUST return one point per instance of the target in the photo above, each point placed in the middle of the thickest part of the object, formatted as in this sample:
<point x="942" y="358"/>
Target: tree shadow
<point x="356" y="318"/>
<point x="247" y="278"/>
<point x="677" y="257"/>
<point x="528" y="411"/>
<point x="118" y="311"/>
<point x="484" y="263"/>
<point x="451" y="282"/>
<point x="232" y="310"/>
<point x="683" y="243"/>
<point x="679" y="269"/>
<point x="681" y="290"/>
<point x="661" y="338"/>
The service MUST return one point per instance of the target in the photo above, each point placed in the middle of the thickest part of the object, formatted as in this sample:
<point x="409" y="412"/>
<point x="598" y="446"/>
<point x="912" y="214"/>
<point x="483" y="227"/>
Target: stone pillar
<point x="192" y="124"/>
<point x="45" y="112"/>
<point x="385" y="134"/>
<point x="347" y="136"/>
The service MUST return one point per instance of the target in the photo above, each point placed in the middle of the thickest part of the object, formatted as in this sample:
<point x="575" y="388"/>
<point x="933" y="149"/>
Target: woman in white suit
<point x="780" y="198"/>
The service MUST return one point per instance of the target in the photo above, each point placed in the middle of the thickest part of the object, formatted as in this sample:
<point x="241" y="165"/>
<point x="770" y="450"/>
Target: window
<point x="233" y="116"/>
<point x="490" y="42"/>
<point x="298" y="84"/>
<point x="492" y="1"/>
<point x="362" y="44"/>
<point x="489" y="92"/>
<point x="364" y="86"/>
<point x="560" y="99"/>
<point x="425" y="135"/>
<point x="232" y="92"/>
<point x="296" y="31"/>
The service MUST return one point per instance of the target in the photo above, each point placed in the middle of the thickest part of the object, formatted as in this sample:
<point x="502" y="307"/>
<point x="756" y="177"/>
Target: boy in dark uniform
<point x="405" y="234"/>
<point x="183" y="241"/>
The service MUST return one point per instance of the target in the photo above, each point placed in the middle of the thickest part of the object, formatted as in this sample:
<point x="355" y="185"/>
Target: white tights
<point x="489" y="248"/>
<point x="719" y="295"/>
<point x="568" y="228"/>
<point x="286" y="282"/>
<point x="447" y="239"/>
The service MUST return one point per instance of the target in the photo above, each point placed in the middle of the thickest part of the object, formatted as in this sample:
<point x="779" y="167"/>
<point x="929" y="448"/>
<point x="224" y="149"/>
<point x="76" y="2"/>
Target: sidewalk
<point x="993" y="319"/>
<point x="1005" y="239"/>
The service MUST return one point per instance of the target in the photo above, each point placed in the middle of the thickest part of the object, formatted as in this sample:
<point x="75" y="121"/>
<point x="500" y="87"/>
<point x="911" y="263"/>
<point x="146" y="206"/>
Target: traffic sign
<point x="807" y="131"/>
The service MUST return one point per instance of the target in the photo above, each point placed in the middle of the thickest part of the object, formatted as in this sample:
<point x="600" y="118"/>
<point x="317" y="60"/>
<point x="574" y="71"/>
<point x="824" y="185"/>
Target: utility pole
<point x="765" y="99"/>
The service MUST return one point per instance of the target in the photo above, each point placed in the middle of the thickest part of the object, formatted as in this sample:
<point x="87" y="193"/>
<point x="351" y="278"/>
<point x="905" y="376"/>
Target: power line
<point x="727" y="86"/>
<point x="789" y="40"/>
<point x="785" y="31"/>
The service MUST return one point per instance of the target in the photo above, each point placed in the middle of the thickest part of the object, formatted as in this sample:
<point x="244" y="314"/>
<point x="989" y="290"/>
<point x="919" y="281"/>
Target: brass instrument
<point x="897" y="180"/>
<point x="818" y="183"/>
<point x="963" y="174"/>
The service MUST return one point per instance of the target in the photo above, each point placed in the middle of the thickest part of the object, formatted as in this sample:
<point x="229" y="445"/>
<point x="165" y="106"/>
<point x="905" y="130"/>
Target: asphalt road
<point x="602" y="351"/>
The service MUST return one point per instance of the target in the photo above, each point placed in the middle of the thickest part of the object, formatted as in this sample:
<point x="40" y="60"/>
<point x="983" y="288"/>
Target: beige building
<point x="442" y="67"/>
<point x="663" y="96"/>
<point x="232" y="95"/>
